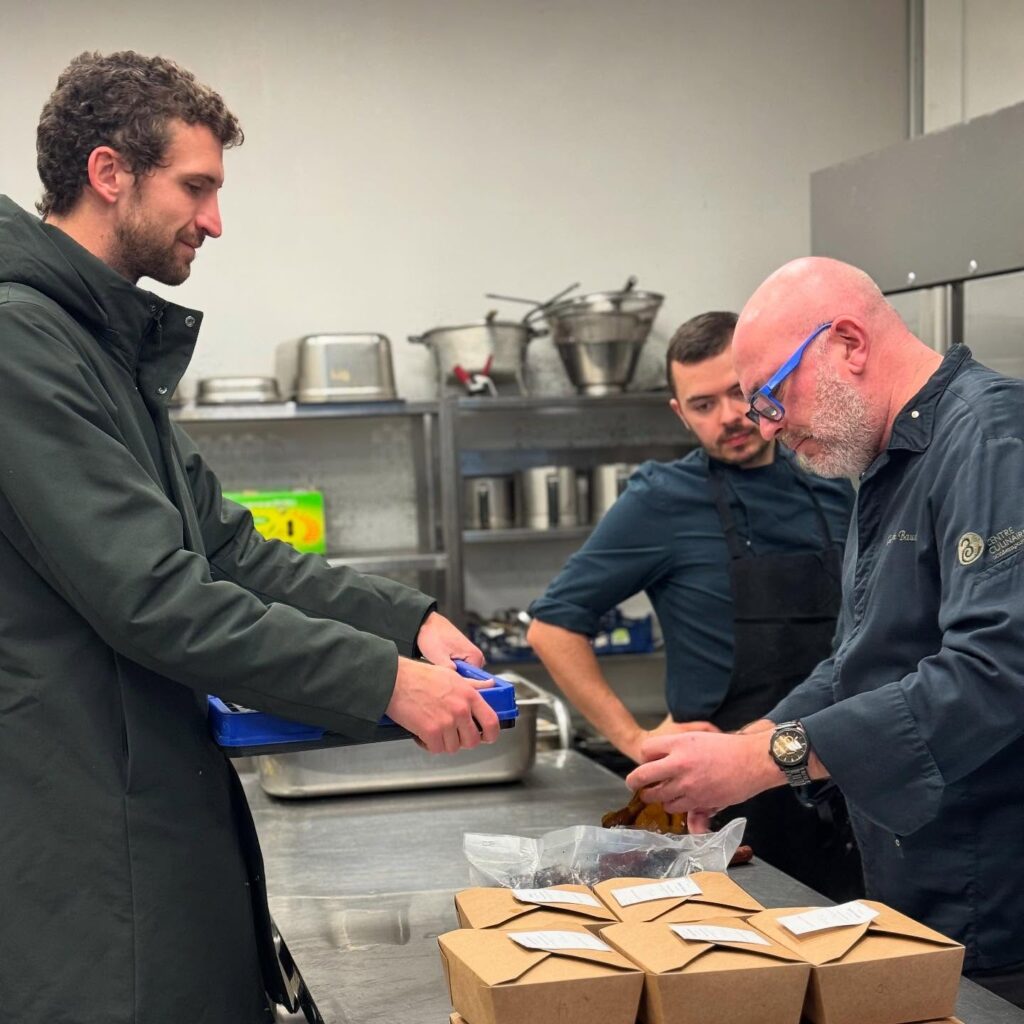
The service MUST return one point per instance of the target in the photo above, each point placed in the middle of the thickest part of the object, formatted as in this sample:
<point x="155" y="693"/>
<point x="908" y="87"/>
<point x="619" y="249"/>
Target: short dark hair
<point x="698" y="339"/>
<point x="126" y="101"/>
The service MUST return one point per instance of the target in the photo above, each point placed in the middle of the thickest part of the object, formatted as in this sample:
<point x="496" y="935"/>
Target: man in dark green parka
<point x="131" y="877"/>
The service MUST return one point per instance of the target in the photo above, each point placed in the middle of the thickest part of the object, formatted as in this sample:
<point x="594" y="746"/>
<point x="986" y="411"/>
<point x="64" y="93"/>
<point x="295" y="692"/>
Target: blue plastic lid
<point x="235" y="726"/>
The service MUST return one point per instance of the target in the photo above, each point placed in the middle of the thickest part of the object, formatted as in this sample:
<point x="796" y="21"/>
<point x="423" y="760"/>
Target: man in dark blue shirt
<point x="919" y="714"/>
<point x="708" y="537"/>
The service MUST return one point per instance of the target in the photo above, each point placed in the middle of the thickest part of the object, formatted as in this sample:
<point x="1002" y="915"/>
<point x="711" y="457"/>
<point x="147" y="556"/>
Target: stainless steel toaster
<point x="337" y="368"/>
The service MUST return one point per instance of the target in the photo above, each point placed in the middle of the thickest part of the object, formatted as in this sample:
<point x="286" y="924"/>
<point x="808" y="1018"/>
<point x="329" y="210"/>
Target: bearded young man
<point x="739" y="552"/>
<point x="919" y="714"/>
<point x="132" y="880"/>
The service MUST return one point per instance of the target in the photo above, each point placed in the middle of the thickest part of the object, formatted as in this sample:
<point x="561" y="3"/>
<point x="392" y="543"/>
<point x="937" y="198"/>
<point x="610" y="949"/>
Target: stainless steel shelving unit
<point x="522" y="533"/>
<point x="504" y="435"/>
<point x="376" y="463"/>
<point x="391" y="472"/>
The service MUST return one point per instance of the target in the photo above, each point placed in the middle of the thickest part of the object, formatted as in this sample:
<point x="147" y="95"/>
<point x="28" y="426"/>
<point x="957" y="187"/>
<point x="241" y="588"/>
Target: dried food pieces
<point x="649" y="817"/>
<point x="654" y="818"/>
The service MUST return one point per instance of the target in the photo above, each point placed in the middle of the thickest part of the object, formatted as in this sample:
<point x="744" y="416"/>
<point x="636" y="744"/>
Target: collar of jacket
<point x="153" y="338"/>
<point x="912" y="428"/>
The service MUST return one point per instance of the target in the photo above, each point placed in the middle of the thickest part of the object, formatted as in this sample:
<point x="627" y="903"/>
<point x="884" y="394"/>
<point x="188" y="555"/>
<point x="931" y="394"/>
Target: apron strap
<point x="806" y="484"/>
<point x="737" y="548"/>
<point x="737" y="545"/>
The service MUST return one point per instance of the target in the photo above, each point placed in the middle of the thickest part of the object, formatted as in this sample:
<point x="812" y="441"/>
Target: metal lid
<point x="218" y="390"/>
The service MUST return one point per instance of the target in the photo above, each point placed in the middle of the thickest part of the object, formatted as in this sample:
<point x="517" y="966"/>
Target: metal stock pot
<point x="496" y="348"/>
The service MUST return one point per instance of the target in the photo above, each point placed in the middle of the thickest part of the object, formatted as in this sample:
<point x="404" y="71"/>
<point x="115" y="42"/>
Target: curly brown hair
<point x="126" y="101"/>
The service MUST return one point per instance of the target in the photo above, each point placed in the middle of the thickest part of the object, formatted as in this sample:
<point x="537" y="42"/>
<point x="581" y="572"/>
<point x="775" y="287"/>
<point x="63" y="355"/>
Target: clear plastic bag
<point x="587" y="854"/>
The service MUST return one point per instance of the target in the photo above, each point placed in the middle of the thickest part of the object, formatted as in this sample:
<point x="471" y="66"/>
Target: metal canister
<point x="489" y="502"/>
<point x="550" y="498"/>
<point x="608" y="482"/>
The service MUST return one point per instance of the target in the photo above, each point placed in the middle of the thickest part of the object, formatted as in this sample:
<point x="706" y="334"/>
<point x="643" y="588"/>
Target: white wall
<point x="972" y="59"/>
<point x="403" y="157"/>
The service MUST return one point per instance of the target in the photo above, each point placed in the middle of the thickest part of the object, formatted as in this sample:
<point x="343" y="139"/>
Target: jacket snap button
<point x="161" y="390"/>
<point x="898" y="843"/>
<point x="190" y="321"/>
<point x="914" y="415"/>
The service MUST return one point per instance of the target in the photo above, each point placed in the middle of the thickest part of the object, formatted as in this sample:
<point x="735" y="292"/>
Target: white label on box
<point x="584" y="899"/>
<point x="843" y="916"/>
<point x="633" y="894"/>
<point x="559" y="940"/>
<point x="713" y="933"/>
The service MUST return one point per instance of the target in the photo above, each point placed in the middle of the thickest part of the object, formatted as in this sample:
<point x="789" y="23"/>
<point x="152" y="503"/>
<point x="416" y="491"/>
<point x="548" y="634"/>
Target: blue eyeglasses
<point x="763" y="402"/>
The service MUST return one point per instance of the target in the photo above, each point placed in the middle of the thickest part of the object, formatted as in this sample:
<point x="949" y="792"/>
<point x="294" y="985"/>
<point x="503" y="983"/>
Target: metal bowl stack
<point x="599" y="336"/>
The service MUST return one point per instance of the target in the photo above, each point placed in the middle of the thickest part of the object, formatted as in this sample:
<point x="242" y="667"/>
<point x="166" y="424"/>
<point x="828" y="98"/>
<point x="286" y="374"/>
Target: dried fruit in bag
<point x="649" y="817"/>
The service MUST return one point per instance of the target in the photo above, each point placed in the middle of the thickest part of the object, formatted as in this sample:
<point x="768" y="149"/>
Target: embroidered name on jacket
<point x="901" y="536"/>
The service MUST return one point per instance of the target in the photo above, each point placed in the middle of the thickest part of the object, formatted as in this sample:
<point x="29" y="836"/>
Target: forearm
<point x="571" y="661"/>
<point x="276" y="572"/>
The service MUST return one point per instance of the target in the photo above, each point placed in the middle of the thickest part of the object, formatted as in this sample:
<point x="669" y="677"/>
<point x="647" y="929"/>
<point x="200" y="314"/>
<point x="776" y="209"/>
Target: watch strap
<point x="796" y="775"/>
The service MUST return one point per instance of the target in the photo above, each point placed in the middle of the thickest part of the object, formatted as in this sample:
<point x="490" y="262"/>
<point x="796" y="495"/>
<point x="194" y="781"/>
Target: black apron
<point x="784" y="616"/>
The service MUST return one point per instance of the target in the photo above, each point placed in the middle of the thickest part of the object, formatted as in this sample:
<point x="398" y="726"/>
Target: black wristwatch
<point x="791" y="750"/>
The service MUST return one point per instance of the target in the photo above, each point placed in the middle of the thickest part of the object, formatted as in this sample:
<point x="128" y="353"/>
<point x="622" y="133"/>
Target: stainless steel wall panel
<point x="943" y="207"/>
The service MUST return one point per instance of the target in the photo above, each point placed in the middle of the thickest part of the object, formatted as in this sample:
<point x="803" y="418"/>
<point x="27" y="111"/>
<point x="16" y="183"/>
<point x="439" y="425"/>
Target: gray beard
<point x="843" y="427"/>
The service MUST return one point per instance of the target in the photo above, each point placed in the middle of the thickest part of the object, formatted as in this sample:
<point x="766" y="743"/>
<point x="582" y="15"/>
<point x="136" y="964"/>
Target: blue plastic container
<point x="241" y="732"/>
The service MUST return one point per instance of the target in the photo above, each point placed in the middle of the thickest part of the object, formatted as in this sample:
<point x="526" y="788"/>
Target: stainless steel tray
<point x="404" y="765"/>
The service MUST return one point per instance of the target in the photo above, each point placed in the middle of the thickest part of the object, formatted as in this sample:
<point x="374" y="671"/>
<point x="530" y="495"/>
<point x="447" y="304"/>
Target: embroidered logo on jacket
<point x="969" y="548"/>
<point x="1005" y="542"/>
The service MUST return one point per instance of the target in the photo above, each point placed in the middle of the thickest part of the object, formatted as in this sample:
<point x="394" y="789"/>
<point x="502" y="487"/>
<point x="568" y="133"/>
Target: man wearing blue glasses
<point x="919" y="713"/>
<point x="739" y="552"/>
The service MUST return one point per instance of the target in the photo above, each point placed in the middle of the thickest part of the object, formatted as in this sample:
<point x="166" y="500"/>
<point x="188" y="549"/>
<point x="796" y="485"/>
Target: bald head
<point x="797" y="298"/>
<point x="839" y="401"/>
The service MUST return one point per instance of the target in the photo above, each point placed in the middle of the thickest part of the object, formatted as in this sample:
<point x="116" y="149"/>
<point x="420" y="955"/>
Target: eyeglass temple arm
<point x="787" y="367"/>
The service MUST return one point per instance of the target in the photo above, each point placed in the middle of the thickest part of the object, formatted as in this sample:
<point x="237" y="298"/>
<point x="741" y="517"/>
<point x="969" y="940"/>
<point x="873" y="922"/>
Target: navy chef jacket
<point x="663" y="536"/>
<point x="919" y="714"/>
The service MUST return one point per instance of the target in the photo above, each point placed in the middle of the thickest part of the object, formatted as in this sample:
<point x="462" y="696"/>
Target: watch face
<point x="789" y="746"/>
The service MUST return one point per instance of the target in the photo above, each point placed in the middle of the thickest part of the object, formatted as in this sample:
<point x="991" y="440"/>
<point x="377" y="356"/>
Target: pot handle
<point x="417" y="339"/>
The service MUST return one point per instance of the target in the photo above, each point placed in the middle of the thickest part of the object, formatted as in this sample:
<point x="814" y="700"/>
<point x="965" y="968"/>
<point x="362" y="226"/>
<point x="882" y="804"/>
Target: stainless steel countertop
<point x="361" y="886"/>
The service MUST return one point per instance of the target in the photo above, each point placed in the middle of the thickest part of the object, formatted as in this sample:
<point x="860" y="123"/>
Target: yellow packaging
<point x="296" y="517"/>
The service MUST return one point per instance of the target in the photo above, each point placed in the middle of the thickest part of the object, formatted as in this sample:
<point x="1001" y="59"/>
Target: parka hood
<point x="134" y="324"/>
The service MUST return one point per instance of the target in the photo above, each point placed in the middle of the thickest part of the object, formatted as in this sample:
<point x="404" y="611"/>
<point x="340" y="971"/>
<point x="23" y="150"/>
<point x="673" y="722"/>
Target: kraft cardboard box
<point x="697" y="897"/>
<point x="725" y="972"/>
<point x="494" y="980"/>
<point x="888" y="969"/>
<point x="485" y="907"/>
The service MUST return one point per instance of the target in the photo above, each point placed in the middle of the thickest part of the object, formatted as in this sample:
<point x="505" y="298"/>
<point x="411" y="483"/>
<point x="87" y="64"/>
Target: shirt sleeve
<point x="275" y="571"/>
<point x="620" y="558"/>
<point x="963" y="704"/>
<point x="79" y="506"/>
<point x="813" y="694"/>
